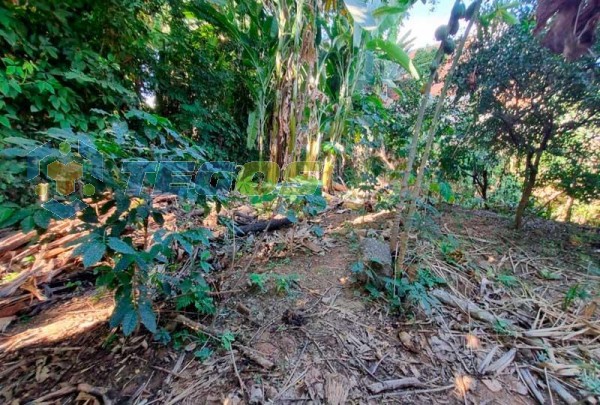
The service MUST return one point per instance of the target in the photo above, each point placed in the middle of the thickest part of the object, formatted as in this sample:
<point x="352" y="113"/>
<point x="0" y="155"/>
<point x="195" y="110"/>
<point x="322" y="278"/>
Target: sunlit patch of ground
<point x="62" y="322"/>
<point x="329" y="340"/>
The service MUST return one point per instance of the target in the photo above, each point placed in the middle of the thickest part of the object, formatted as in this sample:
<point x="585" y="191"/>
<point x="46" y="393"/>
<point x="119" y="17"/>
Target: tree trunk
<point x="327" y="178"/>
<point x="532" y="163"/>
<point x="484" y="186"/>
<point x="297" y="58"/>
<point x="413" y="194"/>
<point x="528" y="184"/>
<point x="481" y="185"/>
<point x="569" y="213"/>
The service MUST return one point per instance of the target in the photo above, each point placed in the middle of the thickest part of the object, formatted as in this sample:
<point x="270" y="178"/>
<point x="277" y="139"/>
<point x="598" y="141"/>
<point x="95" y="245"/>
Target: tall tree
<point x="528" y="100"/>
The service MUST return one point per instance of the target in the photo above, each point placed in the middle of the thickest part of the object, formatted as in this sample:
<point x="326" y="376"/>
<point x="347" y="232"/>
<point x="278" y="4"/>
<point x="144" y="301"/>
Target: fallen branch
<point x="86" y="388"/>
<point x="469" y="308"/>
<point x="252" y="354"/>
<point x="255" y="356"/>
<point x="531" y="384"/>
<point x="395" y="384"/>
<point x="415" y="392"/>
<point x="16" y="240"/>
<point x="197" y="326"/>
<point x="259" y="226"/>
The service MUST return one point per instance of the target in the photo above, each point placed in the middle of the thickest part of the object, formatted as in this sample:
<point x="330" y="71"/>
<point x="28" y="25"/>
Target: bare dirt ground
<point x="500" y="330"/>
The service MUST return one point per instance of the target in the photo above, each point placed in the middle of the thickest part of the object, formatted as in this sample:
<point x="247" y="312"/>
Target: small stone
<point x="376" y="255"/>
<point x="256" y="395"/>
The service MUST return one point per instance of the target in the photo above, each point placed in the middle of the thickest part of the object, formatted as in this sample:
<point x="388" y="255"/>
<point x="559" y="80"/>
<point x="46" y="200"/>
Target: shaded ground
<point x="315" y="337"/>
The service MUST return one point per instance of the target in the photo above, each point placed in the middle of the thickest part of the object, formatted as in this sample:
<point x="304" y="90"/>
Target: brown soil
<point x="328" y="339"/>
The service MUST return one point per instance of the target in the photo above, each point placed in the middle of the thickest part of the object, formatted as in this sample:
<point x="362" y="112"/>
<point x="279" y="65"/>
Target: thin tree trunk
<point x="484" y="186"/>
<point x="328" y="167"/>
<point x="532" y="164"/>
<point x="528" y="184"/>
<point x="569" y="213"/>
<point x="414" y="143"/>
<point x="403" y="244"/>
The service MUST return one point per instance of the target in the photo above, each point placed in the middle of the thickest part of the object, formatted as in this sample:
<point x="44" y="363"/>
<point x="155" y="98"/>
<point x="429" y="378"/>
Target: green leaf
<point x="123" y="263"/>
<point x="105" y="279"/>
<point x="508" y="17"/>
<point x="158" y="218"/>
<point x="394" y="53"/>
<point x="291" y="216"/>
<point x="227" y="339"/>
<point x="130" y="321"/>
<point x="183" y="301"/>
<point x="185" y="244"/>
<point x="147" y="315"/>
<point x="5" y="213"/>
<point x="361" y="14"/>
<point x="27" y="224"/>
<point x="92" y="253"/>
<point x="388" y="10"/>
<point x="446" y="191"/>
<point x="318" y="231"/>
<point x="204" y="353"/>
<point x="357" y="267"/>
<point x="124" y="305"/>
<point x="4" y="121"/>
<point x="120" y="246"/>
<point x="252" y="130"/>
<point x="42" y="218"/>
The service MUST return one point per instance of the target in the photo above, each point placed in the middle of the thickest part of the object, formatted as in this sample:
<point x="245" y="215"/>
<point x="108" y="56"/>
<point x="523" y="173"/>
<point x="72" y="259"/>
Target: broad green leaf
<point x="5" y="213"/>
<point x="291" y="216"/>
<point x="508" y="17"/>
<point x="123" y="263"/>
<point x="361" y="14"/>
<point x="158" y="217"/>
<point x="394" y="53"/>
<point x="92" y="253"/>
<point x="388" y="10"/>
<point x="130" y="322"/>
<point x="120" y="246"/>
<point x="227" y="339"/>
<point x="42" y="218"/>
<point x="124" y="305"/>
<point x="27" y="224"/>
<point x="187" y="246"/>
<point x="252" y="130"/>
<point x="318" y="231"/>
<point x="147" y="315"/>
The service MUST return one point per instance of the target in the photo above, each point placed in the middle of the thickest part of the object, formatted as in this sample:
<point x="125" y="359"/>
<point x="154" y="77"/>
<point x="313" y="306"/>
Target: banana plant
<point x="369" y="29"/>
<point x="255" y="29"/>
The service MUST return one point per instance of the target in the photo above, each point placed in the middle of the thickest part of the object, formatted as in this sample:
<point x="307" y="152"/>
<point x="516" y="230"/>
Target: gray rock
<point x="376" y="255"/>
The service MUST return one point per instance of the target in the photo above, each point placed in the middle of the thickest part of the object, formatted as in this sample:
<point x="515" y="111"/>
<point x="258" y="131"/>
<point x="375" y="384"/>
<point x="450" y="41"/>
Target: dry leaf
<point x="337" y="387"/>
<point x="406" y="341"/>
<point x="472" y="342"/>
<point x="312" y="246"/>
<point x="463" y="383"/>
<point x="520" y="388"/>
<point x="87" y="399"/>
<point x="30" y="286"/>
<point x="42" y="372"/>
<point x="4" y="322"/>
<point x="589" y="310"/>
<point x="492" y="385"/>
<point x="571" y="25"/>
<point x="502" y="362"/>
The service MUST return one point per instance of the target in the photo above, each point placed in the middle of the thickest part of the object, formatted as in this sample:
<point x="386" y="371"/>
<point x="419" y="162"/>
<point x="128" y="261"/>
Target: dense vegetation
<point x="515" y="127"/>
